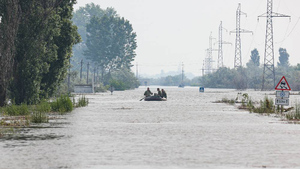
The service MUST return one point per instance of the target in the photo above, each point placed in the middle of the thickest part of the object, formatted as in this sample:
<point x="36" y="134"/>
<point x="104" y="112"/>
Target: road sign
<point x="201" y="89"/>
<point x="283" y="84"/>
<point x="283" y="94"/>
<point x="283" y="102"/>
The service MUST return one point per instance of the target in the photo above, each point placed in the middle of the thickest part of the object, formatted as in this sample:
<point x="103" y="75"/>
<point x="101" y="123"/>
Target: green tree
<point x="283" y="58"/>
<point x="111" y="43"/>
<point x="44" y="46"/>
<point x="9" y="18"/>
<point x="124" y="79"/>
<point x="254" y="58"/>
<point x="81" y="18"/>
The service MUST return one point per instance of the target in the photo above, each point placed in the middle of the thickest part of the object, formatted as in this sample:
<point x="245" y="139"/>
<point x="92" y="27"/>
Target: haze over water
<point x="187" y="131"/>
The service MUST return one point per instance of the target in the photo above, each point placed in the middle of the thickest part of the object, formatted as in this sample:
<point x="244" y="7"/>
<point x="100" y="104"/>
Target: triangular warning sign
<point x="283" y="84"/>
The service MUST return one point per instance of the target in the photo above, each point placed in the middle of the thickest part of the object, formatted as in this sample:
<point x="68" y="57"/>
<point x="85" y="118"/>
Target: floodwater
<point x="188" y="131"/>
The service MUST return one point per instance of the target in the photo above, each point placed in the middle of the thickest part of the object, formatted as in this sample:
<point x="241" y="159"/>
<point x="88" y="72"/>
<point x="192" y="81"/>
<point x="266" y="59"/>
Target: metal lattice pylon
<point x="209" y="58"/>
<point x="268" y="81"/>
<point x="220" y="50"/>
<point x="238" y="42"/>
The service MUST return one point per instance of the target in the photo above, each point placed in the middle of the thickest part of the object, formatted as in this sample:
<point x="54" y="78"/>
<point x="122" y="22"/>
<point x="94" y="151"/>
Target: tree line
<point x="37" y="51"/>
<point x="109" y="43"/>
<point x="250" y="77"/>
<point x="35" y="46"/>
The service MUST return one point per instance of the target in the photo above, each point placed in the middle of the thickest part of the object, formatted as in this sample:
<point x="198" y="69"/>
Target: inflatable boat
<point x="155" y="98"/>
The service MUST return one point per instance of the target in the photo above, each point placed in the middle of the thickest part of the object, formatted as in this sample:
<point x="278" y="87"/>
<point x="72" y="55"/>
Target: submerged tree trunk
<point x="8" y="32"/>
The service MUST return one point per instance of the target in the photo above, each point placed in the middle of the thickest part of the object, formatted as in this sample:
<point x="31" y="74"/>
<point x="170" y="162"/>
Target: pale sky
<point x="170" y="32"/>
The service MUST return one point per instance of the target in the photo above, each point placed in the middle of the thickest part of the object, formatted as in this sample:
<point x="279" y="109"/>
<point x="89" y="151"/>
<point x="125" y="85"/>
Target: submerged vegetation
<point x="24" y="115"/>
<point x="265" y="106"/>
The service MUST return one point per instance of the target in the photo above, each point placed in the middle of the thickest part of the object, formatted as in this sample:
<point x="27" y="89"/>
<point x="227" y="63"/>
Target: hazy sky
<point x="170" y="32"/>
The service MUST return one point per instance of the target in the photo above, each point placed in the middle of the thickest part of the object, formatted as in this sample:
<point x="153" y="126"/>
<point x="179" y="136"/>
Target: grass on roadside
<point x="294" y="114"/>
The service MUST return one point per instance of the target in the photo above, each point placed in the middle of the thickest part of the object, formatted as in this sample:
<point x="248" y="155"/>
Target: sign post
<point x="283" y="94"/>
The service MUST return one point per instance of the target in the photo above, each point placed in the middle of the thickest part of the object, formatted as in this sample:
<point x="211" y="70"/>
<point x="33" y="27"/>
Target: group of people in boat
<point x="159" y="93"/>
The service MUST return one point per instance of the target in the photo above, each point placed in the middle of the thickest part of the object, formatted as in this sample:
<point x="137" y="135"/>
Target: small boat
<point x="155" y="98"/>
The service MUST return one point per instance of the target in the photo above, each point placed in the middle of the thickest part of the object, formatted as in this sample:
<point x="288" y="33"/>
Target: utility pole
<point x="221" y="42"/>
<point x="137" y="70"/>
<point x="238" y="42"/>
<point x="97" y="78"/>
<point x="268" y="81"/>
<point x="81" y="63"/>
<point x="203" y="68"/>
<point x="209" y="59"/>
<point x="87" y="73"/>
<point x="94" y="74"/>
<point x="69" y="74"/>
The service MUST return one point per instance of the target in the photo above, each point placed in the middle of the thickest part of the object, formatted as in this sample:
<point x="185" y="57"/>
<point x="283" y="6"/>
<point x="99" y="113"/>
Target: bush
<point x="43" y="107"/>
<point x="39" y="117"/>
<point x="62" y="104"/>
<point x="82" y="102"/>
<point x="16" y="110"/>
<point x="266" y="106"/>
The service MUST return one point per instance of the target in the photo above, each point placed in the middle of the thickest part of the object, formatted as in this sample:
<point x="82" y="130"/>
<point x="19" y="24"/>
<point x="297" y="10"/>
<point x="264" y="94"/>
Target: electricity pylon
<point x="268" y="81"/>
<point x="220" y="50"/>
<point x="209" y="59"/>
<point x="238" y="43"/>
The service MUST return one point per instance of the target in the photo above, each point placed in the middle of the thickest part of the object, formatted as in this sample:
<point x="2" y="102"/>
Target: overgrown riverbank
<point x="24" y="116"/>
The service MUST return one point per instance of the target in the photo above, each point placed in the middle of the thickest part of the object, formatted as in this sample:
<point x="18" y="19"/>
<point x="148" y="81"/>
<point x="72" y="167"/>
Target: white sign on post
<point x="283" y="102"/>
<point x="283" y="94"/>
<point x="283" y="84"/>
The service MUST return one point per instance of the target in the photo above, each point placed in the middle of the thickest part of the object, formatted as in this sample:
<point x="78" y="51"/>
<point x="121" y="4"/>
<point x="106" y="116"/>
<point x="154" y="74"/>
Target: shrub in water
<point x="82" y="102"/>
<point x="62" y="104"/>
<point x="39" y="117"/>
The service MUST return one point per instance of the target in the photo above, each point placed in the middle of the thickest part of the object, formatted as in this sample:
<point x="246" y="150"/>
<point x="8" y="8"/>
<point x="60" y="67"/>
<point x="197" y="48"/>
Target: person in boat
<point x="159" y="93"/>
<point x="163" y="93"/>
<point x="148" y="92"/>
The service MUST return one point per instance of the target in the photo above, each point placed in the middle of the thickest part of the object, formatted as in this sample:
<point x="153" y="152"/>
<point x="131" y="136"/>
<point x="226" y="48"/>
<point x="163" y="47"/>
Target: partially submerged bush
<point x="82" y="102"/>
<point x="266" y="106"/>
<point x="16" y="110"/>
<point x="62" y="104"/>
<point x="39" y="117"/>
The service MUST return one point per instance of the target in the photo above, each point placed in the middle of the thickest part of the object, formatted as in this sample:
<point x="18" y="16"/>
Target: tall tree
<point x="9" y="24"/>
<point x="81" y="18"/>
<point x="283" y="58"/>
<point x="111" y="42"/>
<point x="255" y="57"/>
<point x="44" y="42"/>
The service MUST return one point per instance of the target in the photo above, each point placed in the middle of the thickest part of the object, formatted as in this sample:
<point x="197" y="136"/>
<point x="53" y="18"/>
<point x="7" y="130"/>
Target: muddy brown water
<point x="187" y="131"/>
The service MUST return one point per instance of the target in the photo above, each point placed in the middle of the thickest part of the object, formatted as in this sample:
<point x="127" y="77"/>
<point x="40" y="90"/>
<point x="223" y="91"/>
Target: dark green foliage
<point x="44" y="46"/>
<point x="16" y="110"/>
<point x="62" y="104"/>
<point x="43" y="107"/>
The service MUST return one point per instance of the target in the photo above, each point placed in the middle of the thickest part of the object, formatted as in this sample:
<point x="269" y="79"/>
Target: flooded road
<point x="188" y="131"/>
